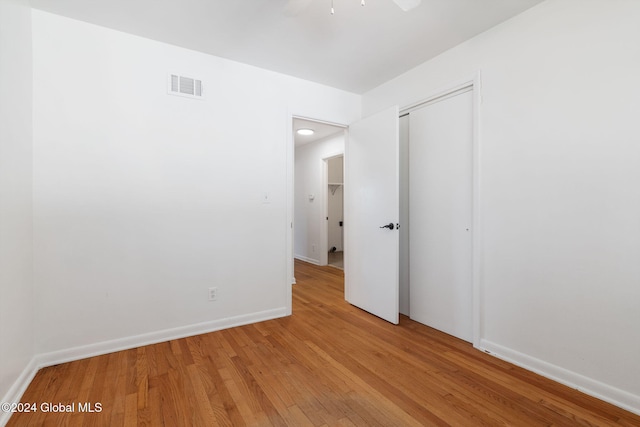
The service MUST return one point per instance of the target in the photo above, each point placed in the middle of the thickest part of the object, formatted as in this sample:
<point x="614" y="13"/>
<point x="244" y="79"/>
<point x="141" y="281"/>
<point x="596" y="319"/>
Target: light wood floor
<point x="329" y="364"/>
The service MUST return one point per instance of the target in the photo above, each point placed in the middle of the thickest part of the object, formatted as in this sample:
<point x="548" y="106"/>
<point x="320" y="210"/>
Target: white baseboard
<point x="607" y="393"/>
<point x="68" y="355"/>
<point x="305" y="259"/>
<point x="597" y="389"/>
<point x="82" y="352"/>
<point x="18" y="388"/>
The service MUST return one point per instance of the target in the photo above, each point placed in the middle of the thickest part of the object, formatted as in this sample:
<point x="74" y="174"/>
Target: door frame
<point x="452" y="89"/>
<point x="324" y="226"/>
<point x="289" y="278"/>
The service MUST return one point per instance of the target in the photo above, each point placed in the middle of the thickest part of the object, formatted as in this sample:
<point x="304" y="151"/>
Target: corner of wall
<point x="16" y="209"/>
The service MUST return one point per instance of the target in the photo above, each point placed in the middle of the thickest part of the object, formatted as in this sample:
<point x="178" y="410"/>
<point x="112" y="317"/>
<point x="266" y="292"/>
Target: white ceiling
<point x="356" y="49"/>
<point x="322" y="130"/>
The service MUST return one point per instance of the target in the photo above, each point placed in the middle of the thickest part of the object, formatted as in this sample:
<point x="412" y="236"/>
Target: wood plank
<point x="329" y="364"/>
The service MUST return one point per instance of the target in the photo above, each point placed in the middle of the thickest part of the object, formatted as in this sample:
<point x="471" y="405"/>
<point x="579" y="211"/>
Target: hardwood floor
<point x="330" y="364"/>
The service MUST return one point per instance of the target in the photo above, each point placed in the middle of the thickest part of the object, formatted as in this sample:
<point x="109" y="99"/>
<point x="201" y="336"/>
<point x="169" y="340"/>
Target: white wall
<point x="143" y="200"/>
<point x="335" y="202"/>
<point x="16" y="252"/>
<point x="310" y="214"/>
<point x="560" y="200"/>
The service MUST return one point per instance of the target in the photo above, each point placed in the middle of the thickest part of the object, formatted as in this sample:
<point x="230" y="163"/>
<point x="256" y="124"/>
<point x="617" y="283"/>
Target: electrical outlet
<point x="213" y="294"/>
<point x="313" y="248"/>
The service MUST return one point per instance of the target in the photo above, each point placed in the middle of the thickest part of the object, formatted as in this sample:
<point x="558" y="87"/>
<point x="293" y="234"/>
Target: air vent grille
<point x="185" y="86"/>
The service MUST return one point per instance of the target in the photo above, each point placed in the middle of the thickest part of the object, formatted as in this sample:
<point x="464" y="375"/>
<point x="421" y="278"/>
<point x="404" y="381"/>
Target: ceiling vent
<point x="185" y="86"/>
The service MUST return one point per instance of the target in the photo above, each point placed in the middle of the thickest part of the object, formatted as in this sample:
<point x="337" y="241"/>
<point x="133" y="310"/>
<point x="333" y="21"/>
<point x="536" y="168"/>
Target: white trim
<point x="106" y="347"/>
<point x="597" y="389"/>
<point x="455" y="91"/>
<point x="309" y="260"/>
<point x="15" y="392"/>
<point x="476" y="235"/>
<point x="311" y="119"/>
<point x="345" y="215"/>
<point x="289" y="206"/>
<point x="452" y="89"/>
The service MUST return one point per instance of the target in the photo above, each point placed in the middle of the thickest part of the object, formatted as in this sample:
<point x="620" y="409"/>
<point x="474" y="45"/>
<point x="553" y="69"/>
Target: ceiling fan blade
<point x="294" y="7"/>
<point x="407" y="5"/>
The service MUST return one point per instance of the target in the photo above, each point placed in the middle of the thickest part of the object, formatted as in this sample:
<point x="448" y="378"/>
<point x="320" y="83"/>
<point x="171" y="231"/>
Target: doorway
<point x="378" y="134"/>
<point x="335" y="211"/>
<point x="318" y="190"/>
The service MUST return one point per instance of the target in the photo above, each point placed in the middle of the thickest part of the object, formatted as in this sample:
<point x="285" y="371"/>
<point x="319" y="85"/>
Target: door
<point x="440" y="213"/>
<point x="372" y="214"/>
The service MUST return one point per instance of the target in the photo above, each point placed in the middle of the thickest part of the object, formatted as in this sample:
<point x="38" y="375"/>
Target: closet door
<point x="440" y="215"/>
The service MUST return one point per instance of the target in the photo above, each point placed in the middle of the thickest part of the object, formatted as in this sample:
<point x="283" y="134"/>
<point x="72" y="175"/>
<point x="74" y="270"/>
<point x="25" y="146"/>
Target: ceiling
<point x="321" y="130"/>
<point x="356" y="49"/>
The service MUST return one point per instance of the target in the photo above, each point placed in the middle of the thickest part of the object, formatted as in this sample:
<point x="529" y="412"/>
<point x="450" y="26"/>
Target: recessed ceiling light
<point x="306" y="132"/>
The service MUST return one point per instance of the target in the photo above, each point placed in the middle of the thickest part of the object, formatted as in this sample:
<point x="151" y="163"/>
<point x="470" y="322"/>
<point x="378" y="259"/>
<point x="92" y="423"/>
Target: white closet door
<point x="440" y="215"/>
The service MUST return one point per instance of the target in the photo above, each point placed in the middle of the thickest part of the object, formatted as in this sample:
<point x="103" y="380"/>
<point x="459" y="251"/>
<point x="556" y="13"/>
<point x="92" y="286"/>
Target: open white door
<point x="371" y="209"/>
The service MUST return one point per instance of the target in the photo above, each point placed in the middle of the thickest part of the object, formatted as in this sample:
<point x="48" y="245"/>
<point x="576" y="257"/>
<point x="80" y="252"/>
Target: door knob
<point x="390" y="226"/>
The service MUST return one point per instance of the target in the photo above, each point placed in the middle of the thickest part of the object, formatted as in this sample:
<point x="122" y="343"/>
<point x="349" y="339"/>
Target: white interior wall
<point x="559" y="200"/>
<point x="16" y="252"/>
<point x="335" y="202"/>
<point x="559" y="282"/>
<point x="309" y="214"/>
<point x="144" y="200"/>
